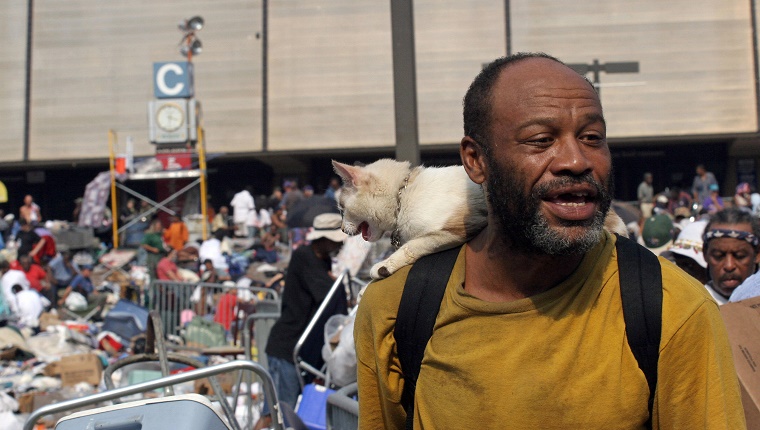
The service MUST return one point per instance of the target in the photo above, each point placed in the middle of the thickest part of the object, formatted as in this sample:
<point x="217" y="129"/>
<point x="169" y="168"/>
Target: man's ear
<point x="473" y="159"/>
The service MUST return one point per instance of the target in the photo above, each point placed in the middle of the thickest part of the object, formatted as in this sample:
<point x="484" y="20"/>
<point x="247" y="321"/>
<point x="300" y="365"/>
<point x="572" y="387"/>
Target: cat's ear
<point x="349" y="174"/>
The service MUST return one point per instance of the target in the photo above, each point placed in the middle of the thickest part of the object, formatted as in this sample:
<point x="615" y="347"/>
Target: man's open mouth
<point x="572" y="199"/>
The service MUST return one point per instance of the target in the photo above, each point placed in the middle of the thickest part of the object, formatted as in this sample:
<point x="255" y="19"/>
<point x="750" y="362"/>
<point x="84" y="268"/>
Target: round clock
<point x="170" y="117"/>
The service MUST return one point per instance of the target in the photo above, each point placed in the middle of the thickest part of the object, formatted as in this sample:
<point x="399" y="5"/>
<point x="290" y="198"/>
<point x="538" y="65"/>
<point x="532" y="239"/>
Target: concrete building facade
<point x="71" y="71"/>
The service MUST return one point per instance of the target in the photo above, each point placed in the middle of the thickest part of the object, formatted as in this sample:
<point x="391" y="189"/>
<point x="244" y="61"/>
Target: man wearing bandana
<point x="731" y="240"/>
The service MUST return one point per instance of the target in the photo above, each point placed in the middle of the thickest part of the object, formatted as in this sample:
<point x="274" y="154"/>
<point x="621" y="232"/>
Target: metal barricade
<point x="267" y="313"/>
<point x="176" y="302"/>
<point x="343" y="409"/>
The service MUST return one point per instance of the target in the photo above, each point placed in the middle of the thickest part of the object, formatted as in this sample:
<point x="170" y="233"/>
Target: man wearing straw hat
<point x="307" y="282"/>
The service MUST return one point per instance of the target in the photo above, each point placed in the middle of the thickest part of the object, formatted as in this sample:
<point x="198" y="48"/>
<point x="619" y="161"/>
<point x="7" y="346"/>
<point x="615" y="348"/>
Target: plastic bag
<point x="11" y="421"/>
<point x="339" y="352"/>
<point x="76" y="301"/>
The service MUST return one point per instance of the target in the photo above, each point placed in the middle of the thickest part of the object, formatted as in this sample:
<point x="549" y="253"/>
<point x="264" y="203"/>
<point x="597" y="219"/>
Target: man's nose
<point x="730" y="264"/>
<point x="571" y="157"/>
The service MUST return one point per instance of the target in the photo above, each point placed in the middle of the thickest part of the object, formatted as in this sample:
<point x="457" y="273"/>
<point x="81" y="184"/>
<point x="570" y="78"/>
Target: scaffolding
<point x="200" y="175"/>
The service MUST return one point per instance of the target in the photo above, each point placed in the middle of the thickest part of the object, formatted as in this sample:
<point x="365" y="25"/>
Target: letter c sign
<point x="172" y="80"/>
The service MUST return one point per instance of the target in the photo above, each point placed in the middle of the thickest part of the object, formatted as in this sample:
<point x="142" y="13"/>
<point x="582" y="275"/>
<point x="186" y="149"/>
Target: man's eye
<point x="540" y="141"/>
<point x="592" y="139"/>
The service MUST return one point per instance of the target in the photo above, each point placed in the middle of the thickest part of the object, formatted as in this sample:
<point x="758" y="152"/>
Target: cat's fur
<point x="428" y="209"/>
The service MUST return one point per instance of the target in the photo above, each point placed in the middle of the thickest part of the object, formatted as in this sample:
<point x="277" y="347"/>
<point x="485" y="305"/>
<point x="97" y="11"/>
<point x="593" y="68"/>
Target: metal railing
<point x="343" y="409"/>
<point x="176" y="301"/>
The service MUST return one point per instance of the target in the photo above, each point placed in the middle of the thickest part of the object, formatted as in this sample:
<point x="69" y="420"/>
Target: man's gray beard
<point x="552" y="242"/>
<point x="526" y="229"/>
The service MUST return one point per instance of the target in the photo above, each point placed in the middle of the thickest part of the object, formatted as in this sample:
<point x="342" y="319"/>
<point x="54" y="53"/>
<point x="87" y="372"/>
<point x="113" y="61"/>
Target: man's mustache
<point x="543" y="190"/>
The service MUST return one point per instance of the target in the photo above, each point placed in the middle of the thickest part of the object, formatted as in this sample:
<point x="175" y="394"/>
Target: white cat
<point x="426" y="209"/>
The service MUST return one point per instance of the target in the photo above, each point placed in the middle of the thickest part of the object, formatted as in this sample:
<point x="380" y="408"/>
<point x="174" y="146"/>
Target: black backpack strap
<point x="420" y="302"/>
<point x="641" y="293"/>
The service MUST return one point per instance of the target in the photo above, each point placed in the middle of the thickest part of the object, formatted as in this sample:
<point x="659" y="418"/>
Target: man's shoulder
<point x="748" y="289"/>
<point x="679" y="287"/>
<point x="683" y="296"/>
<point x="381" y="297"/>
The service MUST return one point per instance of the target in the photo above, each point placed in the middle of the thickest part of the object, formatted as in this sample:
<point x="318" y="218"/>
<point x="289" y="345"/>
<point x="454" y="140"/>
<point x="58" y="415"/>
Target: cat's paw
<point x="379" y="271"/>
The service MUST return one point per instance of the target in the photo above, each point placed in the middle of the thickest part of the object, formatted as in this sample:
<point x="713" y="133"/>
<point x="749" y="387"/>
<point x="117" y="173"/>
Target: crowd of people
<point x="699" y="231"/>
<point x="247" y="231"/>
<point x="37" y="274"/>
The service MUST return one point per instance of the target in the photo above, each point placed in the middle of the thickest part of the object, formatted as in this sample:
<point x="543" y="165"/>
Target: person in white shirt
<point x="28" y="305"/>
<point x="211" y="249"/>
<point x="242" y="203"/>
<point x="10" y="278"/>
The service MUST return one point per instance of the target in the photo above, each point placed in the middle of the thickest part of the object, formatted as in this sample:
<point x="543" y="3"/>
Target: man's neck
<point x="496" y="273"/>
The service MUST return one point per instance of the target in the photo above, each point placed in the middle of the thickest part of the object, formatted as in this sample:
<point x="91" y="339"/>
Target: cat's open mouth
<point x="364" y="228"/>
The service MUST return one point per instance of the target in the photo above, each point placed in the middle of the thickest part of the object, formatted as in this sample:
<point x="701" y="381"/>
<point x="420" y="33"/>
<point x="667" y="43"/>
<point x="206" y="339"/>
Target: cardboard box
<point x="226" y="382"/>
<point x="743" y="324"/>
<point x="31" y="401"/>
<point x="80" y="368"/>
<point x="47" y="319"/>
<point x="52" y="369"/>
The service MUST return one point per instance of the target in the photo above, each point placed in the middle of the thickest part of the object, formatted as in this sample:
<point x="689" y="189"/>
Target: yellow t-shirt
<point x="557" y="360"/>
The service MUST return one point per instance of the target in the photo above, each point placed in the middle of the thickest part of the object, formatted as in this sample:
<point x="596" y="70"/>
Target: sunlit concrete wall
<point x="696" y="60"/>
<point x="330" y="68"/>
<point x="13" y="25"/>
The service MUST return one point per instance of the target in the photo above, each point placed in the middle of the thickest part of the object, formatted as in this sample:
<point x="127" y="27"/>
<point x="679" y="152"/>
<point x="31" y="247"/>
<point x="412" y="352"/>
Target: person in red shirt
<point x="225" y="308"/>
<point x="167" y="269"/>
<point x="37" y="276"/>
<point x="48" y="249"/>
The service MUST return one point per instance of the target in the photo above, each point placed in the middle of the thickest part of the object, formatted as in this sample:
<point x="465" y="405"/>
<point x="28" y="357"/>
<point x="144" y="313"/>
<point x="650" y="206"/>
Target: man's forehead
<point x="542" y="73"/>
<point x="541" y="82"/>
